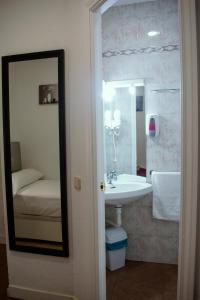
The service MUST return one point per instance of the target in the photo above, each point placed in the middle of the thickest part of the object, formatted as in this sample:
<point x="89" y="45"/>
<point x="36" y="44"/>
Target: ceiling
<point x="125" y="2"/>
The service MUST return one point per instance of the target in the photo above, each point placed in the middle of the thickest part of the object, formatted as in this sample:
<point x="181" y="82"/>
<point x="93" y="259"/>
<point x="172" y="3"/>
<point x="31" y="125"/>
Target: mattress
<point x="41" y="198"/>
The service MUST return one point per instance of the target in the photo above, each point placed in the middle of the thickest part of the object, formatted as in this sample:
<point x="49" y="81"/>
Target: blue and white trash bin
<point x="116" y="244"/>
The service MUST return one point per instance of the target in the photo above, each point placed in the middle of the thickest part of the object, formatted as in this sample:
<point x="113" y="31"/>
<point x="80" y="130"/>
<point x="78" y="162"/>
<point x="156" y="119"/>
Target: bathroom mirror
<point x="124" y="123"/>
<point x="35" y="152"/>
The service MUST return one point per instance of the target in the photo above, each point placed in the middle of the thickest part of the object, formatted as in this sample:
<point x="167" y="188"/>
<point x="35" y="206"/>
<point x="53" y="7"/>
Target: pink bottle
<point x="152" y="127"/>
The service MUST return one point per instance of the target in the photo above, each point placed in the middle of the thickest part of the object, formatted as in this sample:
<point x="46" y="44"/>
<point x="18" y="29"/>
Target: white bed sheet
<point x="41" y="198"/>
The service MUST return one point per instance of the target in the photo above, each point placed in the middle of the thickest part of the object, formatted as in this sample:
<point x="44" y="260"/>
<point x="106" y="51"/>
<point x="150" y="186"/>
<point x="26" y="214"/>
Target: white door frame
<point x="189" y="144"/>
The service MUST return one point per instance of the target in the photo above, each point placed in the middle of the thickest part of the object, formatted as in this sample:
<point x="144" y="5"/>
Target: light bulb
<point x="108" y="93"/>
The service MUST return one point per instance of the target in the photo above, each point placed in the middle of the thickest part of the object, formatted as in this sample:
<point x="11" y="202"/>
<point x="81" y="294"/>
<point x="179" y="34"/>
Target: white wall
<point x="35" y="126"/>
<point x="28" y="26"/>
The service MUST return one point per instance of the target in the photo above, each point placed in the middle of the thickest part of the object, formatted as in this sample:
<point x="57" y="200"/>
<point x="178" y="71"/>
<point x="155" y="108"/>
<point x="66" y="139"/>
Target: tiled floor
<point x="142" y="281"/>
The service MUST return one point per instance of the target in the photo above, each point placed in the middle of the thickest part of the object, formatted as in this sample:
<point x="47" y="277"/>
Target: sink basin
<point x="126" y="190"/>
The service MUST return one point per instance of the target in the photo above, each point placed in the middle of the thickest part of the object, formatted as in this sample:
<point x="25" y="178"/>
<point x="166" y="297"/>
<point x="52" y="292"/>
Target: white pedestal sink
<point x="126" y="189"/>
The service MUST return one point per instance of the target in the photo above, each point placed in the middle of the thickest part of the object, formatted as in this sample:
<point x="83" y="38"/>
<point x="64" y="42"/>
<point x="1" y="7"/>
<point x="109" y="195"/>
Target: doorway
<point x="156" y="90"/>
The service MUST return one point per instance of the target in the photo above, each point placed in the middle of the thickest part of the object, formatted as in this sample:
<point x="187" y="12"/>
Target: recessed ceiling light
<point x="153" y="33"/>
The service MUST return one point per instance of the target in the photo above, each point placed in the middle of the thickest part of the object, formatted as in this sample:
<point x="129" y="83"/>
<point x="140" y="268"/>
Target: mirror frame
<point x="62" y="149"/>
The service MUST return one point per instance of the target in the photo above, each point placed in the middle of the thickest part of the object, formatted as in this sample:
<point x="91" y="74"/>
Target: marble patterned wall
<point x="129" y="53"/>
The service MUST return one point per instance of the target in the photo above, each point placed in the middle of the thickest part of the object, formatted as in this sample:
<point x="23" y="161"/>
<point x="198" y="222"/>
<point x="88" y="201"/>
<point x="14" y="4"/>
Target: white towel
<point x="166" y="195"/>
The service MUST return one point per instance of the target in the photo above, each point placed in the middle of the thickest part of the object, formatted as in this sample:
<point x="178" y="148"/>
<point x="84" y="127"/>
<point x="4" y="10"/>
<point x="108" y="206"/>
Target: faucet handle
<point x="114" y="174"/>
<point x="109" y="177"/>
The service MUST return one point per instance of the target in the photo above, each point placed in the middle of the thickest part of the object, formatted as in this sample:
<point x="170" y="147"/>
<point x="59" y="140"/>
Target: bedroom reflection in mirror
<point x="35" y="144"/>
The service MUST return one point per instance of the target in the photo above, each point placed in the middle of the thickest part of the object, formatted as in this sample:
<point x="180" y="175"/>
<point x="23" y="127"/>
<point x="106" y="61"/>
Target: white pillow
<point x="23" y="178"/>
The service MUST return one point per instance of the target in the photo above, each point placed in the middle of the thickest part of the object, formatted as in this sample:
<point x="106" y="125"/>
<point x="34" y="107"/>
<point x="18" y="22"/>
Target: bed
<point x="37" y="204"/>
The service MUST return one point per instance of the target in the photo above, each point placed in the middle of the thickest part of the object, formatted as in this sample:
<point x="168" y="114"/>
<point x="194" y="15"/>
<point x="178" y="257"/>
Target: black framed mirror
<point x="35" y="152"/>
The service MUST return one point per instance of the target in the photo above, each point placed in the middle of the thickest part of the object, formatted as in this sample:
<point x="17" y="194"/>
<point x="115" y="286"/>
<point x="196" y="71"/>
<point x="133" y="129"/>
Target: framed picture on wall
<point x="48" y="94"/>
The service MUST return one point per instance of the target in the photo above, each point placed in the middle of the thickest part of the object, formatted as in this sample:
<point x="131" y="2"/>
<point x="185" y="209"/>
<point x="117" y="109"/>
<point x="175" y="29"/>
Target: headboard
<point x="16" y="163"/>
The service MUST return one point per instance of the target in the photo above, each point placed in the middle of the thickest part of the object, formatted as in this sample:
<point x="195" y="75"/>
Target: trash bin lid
<point x="114" y="235"/>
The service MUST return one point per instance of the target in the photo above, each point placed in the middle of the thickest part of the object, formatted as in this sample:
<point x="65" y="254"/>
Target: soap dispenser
<point x="152" y="125"/>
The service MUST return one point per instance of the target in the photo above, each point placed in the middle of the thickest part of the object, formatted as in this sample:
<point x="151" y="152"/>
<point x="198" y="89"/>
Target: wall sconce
<point x="112" y="122"/>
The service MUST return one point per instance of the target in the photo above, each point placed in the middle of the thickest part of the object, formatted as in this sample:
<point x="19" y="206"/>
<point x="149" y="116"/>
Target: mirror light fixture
<point x="112" y="122"/>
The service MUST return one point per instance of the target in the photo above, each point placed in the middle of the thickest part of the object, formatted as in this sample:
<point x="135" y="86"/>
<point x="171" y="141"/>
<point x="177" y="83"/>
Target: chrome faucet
<point x="112" y="175"/>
